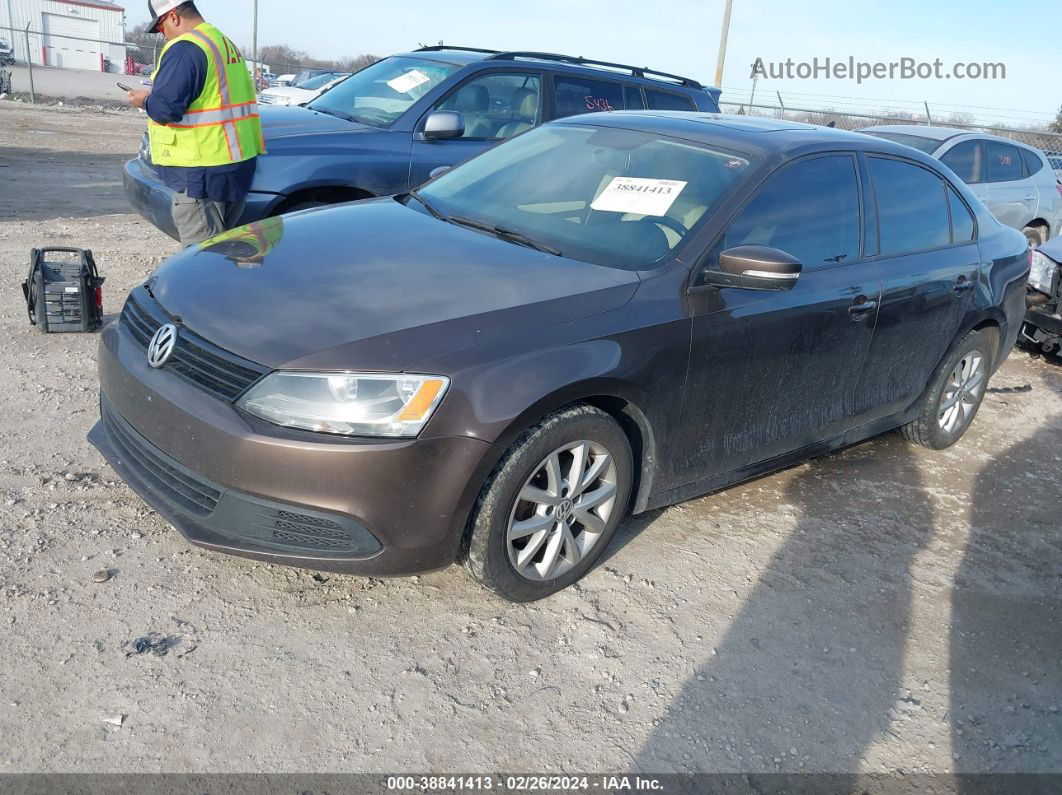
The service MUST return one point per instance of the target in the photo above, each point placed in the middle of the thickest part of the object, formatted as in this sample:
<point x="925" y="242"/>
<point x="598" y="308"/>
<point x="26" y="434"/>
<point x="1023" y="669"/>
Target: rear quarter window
<point x="1033" y="162"/>
<point x="666" y="100"/>
<point x="962" y="221"/>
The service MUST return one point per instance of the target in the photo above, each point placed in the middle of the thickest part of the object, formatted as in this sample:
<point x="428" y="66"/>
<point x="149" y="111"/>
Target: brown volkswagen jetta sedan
<point x="607" y="314"/>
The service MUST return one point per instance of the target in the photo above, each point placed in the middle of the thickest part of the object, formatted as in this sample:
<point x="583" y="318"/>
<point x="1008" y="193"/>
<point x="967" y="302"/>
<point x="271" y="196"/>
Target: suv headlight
<point x="1042" y="276"/>
<point x="351" y="404"/>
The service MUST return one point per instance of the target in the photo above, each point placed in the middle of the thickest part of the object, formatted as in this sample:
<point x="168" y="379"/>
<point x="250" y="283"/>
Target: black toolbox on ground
<point x="63" y="290"/>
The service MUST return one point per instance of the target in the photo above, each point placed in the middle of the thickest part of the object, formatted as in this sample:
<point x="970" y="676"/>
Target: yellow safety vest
<point x="222" y="125"/>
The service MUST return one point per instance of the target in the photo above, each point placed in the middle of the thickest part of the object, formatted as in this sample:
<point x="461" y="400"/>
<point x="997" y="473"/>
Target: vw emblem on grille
<point x="161" y="346"/>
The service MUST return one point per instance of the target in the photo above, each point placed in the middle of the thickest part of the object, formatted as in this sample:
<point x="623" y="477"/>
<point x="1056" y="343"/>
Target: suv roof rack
<point x="440" y="47"/>
<point x="636" y="71"/>
<point x="498" y="55"/>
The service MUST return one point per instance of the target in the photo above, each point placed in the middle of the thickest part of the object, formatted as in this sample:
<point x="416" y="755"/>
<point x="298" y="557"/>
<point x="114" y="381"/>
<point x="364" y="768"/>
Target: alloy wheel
<point x="561" y="512"/>
<point x="962" y="392"/>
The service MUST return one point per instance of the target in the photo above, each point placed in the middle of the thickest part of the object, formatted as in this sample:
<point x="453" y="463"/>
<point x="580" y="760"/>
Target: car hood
<point x="288" y="121"/>
<point x="373" y="285"/>
<point x="291" y="92"/>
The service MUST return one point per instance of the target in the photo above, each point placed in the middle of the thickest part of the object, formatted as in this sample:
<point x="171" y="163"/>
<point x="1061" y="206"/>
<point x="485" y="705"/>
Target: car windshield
<point x="614" y="197"/>
<point x="319" y="82"/>
<point x="919" y="142"/>
<point x="380" y="93"/>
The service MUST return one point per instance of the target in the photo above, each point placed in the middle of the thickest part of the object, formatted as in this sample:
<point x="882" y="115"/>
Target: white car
<point x="302" y="93"/>
<point x="1014" y="180"/>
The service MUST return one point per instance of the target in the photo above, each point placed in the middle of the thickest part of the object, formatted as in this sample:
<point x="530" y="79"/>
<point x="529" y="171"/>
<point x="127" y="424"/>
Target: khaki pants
<point x="199" y="219"/>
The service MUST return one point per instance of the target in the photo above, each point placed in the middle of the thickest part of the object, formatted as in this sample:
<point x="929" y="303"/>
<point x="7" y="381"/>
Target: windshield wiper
<point x="330" y="112"/>
<point x="428" y="206"/>
<point x="505" y="234"/>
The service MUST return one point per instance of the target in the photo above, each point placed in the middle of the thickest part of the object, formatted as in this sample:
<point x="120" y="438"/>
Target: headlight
<point x="1042" y="276"/>
<point x="352" y="404"/>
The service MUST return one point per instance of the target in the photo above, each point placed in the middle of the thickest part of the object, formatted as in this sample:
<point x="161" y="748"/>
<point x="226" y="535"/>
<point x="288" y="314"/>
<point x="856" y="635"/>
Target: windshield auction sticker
<point x="638" y="195"/>
<point x="403" y="84"/>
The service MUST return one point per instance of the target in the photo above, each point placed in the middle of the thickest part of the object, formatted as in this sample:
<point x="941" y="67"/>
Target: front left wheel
<point x="552" y="505"/>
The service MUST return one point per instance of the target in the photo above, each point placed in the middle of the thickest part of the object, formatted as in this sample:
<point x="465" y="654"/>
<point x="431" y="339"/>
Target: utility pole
<point x="722" y="45"/>
<point x="254" y="47"/>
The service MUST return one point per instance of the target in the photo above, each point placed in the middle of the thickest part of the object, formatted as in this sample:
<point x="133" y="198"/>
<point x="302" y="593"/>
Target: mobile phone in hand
<point x="124" y="87"/>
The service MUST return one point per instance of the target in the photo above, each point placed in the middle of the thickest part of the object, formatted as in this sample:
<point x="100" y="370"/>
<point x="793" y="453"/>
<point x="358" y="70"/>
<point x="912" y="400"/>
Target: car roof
<point x="941" y="134"/>
<point x="465" y="56"/>
<point x="750" y="134"/>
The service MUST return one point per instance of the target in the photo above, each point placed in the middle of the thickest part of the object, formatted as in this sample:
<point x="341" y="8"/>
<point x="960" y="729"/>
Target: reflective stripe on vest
<point x="206" y="118"/>
<point x="231" y="137"/>
<point x="221" y="126"/>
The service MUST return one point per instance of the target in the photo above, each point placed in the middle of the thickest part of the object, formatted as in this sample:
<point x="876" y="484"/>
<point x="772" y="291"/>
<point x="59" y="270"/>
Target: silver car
<point x="1015" y="181"/>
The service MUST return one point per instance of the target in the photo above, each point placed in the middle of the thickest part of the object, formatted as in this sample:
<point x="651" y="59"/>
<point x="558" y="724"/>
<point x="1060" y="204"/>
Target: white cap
<point x="160" y="7"/>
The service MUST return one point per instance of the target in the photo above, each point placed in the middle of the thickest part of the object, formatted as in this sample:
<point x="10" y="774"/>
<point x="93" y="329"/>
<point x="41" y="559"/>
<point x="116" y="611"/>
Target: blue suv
<point x="389" y="127"/>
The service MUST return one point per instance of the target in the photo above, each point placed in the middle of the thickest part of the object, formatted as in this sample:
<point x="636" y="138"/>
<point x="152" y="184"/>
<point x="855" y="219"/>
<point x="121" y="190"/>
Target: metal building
<point x="71" y="34"/>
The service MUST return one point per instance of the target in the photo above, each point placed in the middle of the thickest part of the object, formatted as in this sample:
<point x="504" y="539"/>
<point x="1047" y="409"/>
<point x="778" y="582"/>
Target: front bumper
<point x="228" y="483"/>
<point x="150" y="197"/>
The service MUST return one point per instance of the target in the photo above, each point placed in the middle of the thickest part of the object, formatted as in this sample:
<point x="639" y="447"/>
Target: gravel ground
<point x="885" y="608"/>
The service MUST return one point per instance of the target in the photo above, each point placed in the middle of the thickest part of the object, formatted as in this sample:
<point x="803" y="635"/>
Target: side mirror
<point x="441" y="125"/>
<point x="438" y="172"/>
<point x="754" y="268"/>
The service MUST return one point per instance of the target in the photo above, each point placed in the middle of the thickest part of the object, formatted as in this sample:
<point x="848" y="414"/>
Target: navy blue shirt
<point x="179" y="82"/>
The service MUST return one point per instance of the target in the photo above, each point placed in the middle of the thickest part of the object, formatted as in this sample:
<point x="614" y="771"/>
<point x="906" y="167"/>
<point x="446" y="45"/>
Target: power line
<point x="872" y="101"/>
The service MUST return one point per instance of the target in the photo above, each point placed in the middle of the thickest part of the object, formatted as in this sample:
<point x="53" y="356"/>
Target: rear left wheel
<point x="958" y="387"/>
<point x="552" y="505"/>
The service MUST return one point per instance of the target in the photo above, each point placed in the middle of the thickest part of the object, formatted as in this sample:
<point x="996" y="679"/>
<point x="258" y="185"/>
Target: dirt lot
<point x="886" y="608"/>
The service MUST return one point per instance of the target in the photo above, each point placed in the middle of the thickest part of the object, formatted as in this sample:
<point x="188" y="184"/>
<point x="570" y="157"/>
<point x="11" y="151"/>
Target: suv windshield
<point x="320" y="81"/>
<point x="380" y="93"/>
<point x="615" y="197"/>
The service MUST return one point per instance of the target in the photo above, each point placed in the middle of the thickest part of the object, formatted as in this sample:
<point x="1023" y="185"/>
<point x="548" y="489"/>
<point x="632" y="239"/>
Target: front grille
<point x="189" y="493"/>
<point x="215" y="370"/>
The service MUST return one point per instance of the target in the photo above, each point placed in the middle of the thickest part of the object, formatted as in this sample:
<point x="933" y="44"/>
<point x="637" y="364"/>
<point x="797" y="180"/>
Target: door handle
<point x="962" y="284"/>
<point x="1029" y="198"/>
<point x="861" y="309"/>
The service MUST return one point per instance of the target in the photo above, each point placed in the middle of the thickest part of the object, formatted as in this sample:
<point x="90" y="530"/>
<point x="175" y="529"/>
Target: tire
<point x="562" y="538"/>
<point x="1036" y="236"/>
<point x="937" y="426"/>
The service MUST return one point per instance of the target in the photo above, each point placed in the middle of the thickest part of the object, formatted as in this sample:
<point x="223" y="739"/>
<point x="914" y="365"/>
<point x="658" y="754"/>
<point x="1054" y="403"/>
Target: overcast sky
<point x="683" y="36"/>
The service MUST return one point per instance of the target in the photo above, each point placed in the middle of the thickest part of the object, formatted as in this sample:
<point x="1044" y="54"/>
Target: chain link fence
<point x="1049" y="143"/>
<point x="31" y="47"/>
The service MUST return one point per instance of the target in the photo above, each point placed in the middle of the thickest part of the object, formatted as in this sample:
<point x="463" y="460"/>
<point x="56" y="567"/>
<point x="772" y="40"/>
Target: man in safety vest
<point x="203" y="123"/>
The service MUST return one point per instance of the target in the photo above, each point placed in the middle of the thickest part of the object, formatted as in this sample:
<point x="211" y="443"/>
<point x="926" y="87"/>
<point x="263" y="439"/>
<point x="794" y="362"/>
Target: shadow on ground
<point x="1006" y="613"/>
<point x="798" y="684"/>
<point x="44" y="184"/>
<point x="809" y="673"/>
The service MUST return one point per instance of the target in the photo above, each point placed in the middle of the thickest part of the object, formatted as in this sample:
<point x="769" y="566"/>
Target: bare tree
<point x="1056" y="125"/>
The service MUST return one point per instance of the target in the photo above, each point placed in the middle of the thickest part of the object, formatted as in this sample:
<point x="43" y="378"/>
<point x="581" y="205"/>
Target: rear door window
<point x="666" y="100"/>
<point x="912" y="207"/>
<point x="1003" y="162"/>
<point x="809" y="210"/>
<point x="965" y="160"/>
<point x="574" y="95"/>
